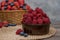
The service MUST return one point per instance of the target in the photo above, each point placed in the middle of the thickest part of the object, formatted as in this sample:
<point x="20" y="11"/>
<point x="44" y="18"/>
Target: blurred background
<point x="51" y="7"/>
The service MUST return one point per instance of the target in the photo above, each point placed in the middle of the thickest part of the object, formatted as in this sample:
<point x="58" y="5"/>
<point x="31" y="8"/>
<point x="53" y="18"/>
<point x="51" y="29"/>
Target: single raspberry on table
<point x="18" y="31"/>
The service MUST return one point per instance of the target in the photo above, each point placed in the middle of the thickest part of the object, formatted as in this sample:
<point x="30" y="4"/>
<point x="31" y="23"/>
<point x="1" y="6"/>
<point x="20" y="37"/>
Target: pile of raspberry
<point x="36" y="16"/>
<point x="14" y="5"/>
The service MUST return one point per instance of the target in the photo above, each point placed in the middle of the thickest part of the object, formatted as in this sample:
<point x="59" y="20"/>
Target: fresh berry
<point x="39" y="10"/>
<point x="21" y="2"/>
<point x="46" y="20"/>
<point x="11" y="4"/>
<point x="28" y="7"/>
<point x="24" y="7"/>
<point x="11" y="24"/>
<point x="16" y="3"/>
<point x="40" y="21"/>
<point x="34" y="21"/>
<point x="6" y="0"/>
<point x="9" y="7"/>
<point x="22" y="33"/>
<point x="5" y="7"/>
<point x="14" y="8"/>
<point x="18" y="31"/>
<point x="6" y="4"/>
<point x="21" y="6"/>
<point x="34" y="13"/>
<point x="1" y="24"/>
<point x="11" y="0"/>
<point x="25" y="35"/>
<point x="39" y="15"/>
<point x="30" y="11"/>
<point x="3" y="3"/>
<point x="5" y="23"/>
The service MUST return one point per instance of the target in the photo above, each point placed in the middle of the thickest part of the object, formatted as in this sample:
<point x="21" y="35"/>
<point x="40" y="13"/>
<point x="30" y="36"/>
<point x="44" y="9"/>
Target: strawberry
<point x="3" y="3"/>
<point x="11" y="0"/>
<point x="18" y="31"/>
<point x="2" y="8"/>
<point x="39" y="21"/>
<point x="6" y="0"/>
<point x="21" y="2"/>
<point x="46" y="20"/>
<point x="14" y="8"/>
<point x="28" y="7"/>
<point x="9" y="7"/>
<point x="11" y="4"/>
<point x="1" y="24"/>
<point x="16" y="3"/>
<point x="34" y="21"/>
<point x="5" y="22"/>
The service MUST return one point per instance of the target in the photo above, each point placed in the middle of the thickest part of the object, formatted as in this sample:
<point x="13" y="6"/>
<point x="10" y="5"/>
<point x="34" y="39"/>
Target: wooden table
<point x="8" y="33"/>
<point x="57" y="35"/>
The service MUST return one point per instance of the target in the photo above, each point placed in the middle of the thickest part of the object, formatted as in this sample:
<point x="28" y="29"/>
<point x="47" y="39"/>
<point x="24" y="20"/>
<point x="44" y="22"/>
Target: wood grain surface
<point x="8" y="33"/>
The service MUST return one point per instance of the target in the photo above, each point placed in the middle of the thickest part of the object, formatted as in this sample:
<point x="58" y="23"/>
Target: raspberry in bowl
<point x="36" y="22"/>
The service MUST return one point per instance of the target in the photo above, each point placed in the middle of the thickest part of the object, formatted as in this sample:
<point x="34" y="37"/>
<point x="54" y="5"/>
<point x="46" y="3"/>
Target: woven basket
<point x="13" y="16"/>
<point x="36" y="29"/>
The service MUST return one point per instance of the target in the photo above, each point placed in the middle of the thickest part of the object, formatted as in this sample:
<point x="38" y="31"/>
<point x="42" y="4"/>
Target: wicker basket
<point x="13" y="16"/>
<point x="36" y="29"/>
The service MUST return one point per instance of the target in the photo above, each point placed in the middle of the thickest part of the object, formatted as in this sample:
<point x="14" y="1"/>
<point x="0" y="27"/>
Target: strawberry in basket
<point x="1" y="24"/>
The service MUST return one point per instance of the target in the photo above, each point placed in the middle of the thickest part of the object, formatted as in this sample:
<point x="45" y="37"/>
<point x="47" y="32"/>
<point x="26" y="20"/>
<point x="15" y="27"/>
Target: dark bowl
<point x="36" y="29"/>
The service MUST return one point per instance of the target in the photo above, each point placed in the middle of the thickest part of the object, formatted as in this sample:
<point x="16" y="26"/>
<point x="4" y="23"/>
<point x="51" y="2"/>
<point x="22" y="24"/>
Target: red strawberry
<point x="14" y="8"/>
<point x="34" y="21"/>
<point x="9" y="7"/>
<point x="28" y="7"/>
<point x="1" y="24"/>
<point x="3" y="3"/>
<point x="21" y="2"/>
<point x="11" y="0"/>
<point x="46" y="20"/>
<point x="18" y="31"/>
<point x="5" y="22"/>
<point x="16" y="3"/>
<point x="2" y="8"/>
<point x="40" y="21"/>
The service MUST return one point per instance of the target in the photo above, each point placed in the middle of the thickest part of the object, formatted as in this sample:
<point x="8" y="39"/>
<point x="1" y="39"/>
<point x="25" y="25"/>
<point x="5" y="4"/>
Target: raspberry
<point x="39" y="15"/>
<point x="46" y="20"/>
<point x="34" y="13"/>
<point x="40" y="21"/>
<point x="18" y="31"/>
<point x="30" y="11"/>
<point x="34" y="21"/>
<point x="38" y="10"/>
